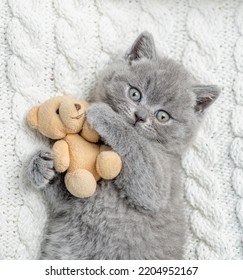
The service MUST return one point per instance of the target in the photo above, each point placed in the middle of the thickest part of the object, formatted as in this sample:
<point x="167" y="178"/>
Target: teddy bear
<point x="76" y="150"/>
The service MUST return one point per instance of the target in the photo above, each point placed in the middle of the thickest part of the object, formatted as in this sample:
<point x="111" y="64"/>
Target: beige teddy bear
<point x="63" y="118"/>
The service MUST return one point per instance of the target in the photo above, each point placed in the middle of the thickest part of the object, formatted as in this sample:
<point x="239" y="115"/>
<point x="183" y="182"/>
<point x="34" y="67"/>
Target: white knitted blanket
<point x="49" y="48"/>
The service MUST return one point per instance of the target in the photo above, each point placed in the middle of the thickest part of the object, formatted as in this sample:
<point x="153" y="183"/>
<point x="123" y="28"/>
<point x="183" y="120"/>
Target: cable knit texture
<point x="48" y="48"/>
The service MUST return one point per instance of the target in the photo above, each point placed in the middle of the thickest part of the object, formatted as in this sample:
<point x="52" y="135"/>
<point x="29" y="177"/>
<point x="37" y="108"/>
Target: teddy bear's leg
<point x="80" y="183"/>
<point x="108" y="163"/>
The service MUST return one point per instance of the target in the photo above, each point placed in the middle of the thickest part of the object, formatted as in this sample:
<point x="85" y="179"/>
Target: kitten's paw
<point x="99" y="115"/>
<point x="40" y="170"/>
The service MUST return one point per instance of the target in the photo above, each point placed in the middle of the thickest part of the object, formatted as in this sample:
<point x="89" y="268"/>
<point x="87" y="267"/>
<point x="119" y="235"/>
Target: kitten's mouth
<point x="131" y="121"/>
<point x="135" y="123"/>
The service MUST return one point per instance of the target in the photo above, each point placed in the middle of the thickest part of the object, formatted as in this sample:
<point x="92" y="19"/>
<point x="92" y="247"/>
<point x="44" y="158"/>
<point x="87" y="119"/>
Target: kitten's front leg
<point x="142" y="180"/>
<point x="112" y="128"/>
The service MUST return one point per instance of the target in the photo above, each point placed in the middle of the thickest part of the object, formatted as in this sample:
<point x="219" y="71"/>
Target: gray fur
<point x="40" y="169"/>
<point x="139" y="214"/>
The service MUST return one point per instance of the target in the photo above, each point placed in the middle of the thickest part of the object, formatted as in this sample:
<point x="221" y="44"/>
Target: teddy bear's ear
<point x="32" y="117"/>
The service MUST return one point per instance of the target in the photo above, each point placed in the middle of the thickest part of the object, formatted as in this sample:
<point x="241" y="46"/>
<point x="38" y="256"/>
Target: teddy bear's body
<point x="76" y="151"/>
<point x="79" y="157"/>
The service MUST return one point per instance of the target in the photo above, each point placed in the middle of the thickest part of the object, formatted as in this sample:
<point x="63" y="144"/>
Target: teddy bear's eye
<point x="57" y="111"/>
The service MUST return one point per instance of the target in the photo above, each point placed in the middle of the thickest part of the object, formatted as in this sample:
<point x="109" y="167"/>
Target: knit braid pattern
<point x="27" y="71"/>
<point x="237" y="120"/>
<point x="78" y="46"/>
<point x="10" y="198"/>
<point x="58" y="47"/>
<point x="208" y="182"/>
<point x="201" y="185"/>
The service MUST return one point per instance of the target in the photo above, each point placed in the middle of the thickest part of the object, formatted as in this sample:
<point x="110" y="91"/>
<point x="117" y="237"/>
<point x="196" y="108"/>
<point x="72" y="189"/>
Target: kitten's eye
<point x="135" y="94"/>
<point x="57" y="111"/>
<point x="162" y="116"/>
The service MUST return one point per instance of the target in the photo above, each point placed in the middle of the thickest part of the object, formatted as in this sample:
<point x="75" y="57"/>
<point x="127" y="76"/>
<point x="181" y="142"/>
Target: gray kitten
<point x="148" y="110"/>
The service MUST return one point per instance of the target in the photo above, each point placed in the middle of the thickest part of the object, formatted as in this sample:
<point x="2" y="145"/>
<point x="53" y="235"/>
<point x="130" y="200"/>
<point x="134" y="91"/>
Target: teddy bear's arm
<point x="89" y="134"/>
<point x="61" y="156"/>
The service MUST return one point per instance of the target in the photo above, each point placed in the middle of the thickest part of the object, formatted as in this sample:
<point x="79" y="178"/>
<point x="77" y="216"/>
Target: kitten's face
<point x="155" y="96"/>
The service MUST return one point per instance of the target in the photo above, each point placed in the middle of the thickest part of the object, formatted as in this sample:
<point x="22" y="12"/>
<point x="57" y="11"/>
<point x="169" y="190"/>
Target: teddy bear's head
<point x="58" y="116"/>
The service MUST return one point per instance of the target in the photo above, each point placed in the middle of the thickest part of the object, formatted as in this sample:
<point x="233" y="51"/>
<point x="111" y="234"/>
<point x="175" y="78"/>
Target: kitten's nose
<point x="140" y="116"/>
<point x="77" y="106"/>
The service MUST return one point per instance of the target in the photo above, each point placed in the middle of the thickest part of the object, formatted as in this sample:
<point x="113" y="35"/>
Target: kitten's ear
<point x="205" y="96"/>
<point x="142" y="47"/>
